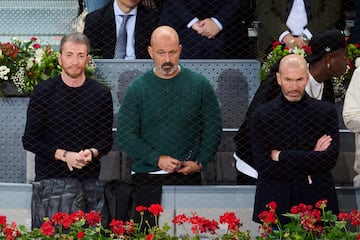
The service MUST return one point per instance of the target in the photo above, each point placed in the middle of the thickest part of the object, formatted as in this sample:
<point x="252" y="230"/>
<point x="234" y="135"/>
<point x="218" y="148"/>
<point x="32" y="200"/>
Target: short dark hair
<point x="76" y="37"/>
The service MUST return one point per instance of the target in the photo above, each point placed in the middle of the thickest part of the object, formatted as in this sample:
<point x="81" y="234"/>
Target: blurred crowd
<point x="229" y="29"/>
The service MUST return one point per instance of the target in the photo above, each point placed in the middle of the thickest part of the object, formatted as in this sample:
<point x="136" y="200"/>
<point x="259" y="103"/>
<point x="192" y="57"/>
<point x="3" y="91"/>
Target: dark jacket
<point x="294" y="128"/>
<point x="267" y="91"/>
<point x="178" y="13"/>
<point x="100" y="28"/>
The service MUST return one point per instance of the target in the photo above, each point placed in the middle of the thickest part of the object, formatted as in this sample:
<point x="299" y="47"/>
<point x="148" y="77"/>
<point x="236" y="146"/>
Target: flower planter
<point x="10" y="90"/>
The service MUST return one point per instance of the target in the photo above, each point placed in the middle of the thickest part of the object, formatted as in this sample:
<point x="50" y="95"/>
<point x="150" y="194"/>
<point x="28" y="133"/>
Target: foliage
<point x="306" y="223"/>
<point x="309" y="223"/>
<point x="80" y="225"/>
<point x="279" y="50"/>
<point x="27" y="63"/>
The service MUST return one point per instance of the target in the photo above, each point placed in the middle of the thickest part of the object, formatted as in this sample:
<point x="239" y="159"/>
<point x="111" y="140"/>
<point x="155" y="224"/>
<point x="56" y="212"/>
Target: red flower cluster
<point x="121" y="228"/>
<point x="9" y="50"/>
<point x="11" y="231"/>
<point x="310" y="218"/>
<point x="203" y="225"/>
<point x="308" y="222"/>
<point x="353" y="217"/>
<point x="62" y="220"/>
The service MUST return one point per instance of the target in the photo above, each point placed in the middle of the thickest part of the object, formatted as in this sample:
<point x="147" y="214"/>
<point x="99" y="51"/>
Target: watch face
<point x="304" y="37"/>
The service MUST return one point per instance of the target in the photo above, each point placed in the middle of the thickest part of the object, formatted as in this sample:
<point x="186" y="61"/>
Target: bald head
<point x="292" y="77"/>
<point x="165" y="50"/>
<point x="164" y="33"/>
<point x="292" y="61"/>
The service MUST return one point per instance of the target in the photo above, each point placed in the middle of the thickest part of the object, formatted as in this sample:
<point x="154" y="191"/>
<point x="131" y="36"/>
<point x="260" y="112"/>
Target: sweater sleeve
<point x="212" y="124"/>
<point x="129" y="136"/>
<point x="33" y="139"/>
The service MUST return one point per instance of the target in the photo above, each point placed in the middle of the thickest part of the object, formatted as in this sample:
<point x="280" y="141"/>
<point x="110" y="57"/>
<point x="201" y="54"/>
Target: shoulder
<point x="107" y="10"/>
<point x="96" y="85"/>
<point x="145" y="10"/>
<point x="49" y="84"/>
<point x="142" y="79"/>
<point x="193" y="74"/>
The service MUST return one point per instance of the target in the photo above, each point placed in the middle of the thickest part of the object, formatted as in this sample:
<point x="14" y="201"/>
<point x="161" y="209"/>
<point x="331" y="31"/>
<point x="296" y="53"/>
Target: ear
<point x="278" y="78"/>
<point x="150" y="51"/>
<point x="59" y="58"/>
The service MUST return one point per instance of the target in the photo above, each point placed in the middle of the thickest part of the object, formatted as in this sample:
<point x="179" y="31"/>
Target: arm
<point x="271" y="16"/>
<point x="325" y="15"/>
<point x="33" y="138"/>
<point x="314" y="160"/>
<point x="212" y="124"/>
<point x="103" y="128"/>
<point x="351" y="110"/>
<point x="176" y="13"/>
<point x="129" y="130"/>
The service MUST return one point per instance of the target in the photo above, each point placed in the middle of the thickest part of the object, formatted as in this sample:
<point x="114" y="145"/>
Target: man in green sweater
<point x="169" y="121"/>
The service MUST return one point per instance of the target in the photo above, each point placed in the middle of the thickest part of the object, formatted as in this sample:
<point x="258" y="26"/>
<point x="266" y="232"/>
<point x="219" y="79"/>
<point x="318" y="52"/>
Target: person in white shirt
<point x="293" y="22"/>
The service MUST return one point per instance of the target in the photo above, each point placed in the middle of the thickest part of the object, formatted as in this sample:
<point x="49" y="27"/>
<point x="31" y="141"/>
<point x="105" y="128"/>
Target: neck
<point x="73" y="82"/>
<point x="318" y="71"/>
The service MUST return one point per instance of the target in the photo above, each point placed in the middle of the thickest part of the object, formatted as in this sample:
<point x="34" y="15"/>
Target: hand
<point x="208" y="28"/>
<point x="86" y="155"/>
<point x="196" y="26"/>
<point x="323" y="143"/>
<point x="290" y="41"/>
<point x="168" y="163"/>
<point x="275" y="155"/>
<point x="189" y="167"/>
<point x="75" y="160"/>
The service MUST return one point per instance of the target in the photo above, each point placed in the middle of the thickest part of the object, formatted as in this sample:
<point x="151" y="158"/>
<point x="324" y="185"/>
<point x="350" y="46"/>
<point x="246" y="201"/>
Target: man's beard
<point x="167" y="71"/>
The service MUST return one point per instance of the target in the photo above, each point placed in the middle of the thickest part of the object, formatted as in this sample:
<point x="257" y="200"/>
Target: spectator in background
<point x="293" y="22"/>
<point x="351" y="116"/>
<point x="328" y="60"/>
<point x="103" y="27"/>
<point x="169" y="122"/>
<point x="295" y="144"/>
<point x="203" y="26"/>
<point x="68" y="128"/>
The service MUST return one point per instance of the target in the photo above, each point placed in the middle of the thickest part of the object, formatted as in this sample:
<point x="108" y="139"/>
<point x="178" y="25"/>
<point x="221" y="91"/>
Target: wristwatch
<point x="304" y="38"/>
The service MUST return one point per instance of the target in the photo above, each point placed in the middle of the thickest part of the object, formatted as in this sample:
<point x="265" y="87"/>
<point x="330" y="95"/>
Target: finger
<point x="70" y="167"/>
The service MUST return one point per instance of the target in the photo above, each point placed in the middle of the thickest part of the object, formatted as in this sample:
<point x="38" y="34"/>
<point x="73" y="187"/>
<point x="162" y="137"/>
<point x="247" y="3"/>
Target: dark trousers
<point x="149" y="189"/>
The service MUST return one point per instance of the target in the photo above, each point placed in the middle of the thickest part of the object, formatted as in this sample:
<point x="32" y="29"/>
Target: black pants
<point x="149" y="189"/>
<point x="68" y="195"/>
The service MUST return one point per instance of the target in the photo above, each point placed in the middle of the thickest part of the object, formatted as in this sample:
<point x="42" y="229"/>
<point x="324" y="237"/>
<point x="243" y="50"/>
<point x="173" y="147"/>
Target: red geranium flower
<point x="80" y="235"/>
<point x="93" y="218"/>
<point x="155" y="209"/>
<point x="47" y="229"/>
<point x="140" y="208"/>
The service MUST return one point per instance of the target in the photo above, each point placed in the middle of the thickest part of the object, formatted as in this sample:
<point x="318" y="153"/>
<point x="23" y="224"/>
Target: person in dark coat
<point x="204" y="26"/>
<point x="295" y="144"/>
<point x="101" y="29"/>
<point x="328" y="60"/>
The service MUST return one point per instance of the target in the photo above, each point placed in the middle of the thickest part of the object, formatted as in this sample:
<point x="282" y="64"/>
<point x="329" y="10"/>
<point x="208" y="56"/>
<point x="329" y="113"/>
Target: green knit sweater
<point x="179" y="117"/>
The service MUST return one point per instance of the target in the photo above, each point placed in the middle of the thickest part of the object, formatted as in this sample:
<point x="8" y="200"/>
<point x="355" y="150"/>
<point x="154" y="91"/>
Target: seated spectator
<point x="203" y="26"/>
<point x="107" y="40"/>
<point x="293" y="22"/>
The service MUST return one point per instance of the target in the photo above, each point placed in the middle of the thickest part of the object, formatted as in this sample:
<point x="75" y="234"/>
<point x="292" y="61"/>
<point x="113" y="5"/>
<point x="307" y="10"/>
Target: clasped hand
<point x="78" y="159"/>
<point x="172" y="165"/>
<point x="206" y="28"/>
